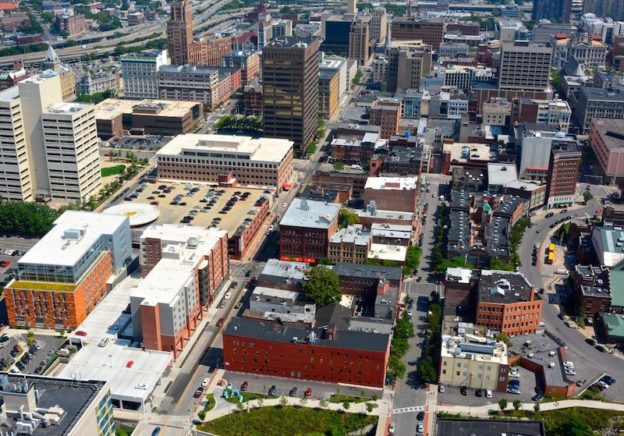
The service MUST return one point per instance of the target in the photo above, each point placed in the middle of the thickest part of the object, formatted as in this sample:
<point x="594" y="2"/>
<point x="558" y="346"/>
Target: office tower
<point x="336" y="32"/>
<point x="66" y="74"/>
<point x="563" y="169"/>
<point x="549" y="9"/>
<point x="410" y="28"/>
<point x="358" y="42"/>
<point x="290" y="89"/>
<point x="15" y="179"/>
<point x="140" y="73"/>
<point x="524" y="66"/>
<point x="351" y="6"/>
<point x="180" y="32"/>
<point x="72" y="151"/>
<point x="378" y="25"/>
<point x="407" y="64"/>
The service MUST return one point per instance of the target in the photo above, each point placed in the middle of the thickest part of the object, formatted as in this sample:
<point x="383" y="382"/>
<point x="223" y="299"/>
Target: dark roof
<point x="368" y="271"/>
<point x="482" y="427"/>
<point x="333" y="315"/>
<point x="503" y="287"/>
<point x="274" y="331"/>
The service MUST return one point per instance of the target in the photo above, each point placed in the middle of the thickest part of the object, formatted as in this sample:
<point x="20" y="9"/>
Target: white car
<point x="391" y="429"/>
<point x="570" y="371"/>
<point x="205" y="382"/>
<point x="488" y="394"/>
<point x="227" y="295"/>
<point x="568" y="364"/>
<point x="514" y="373"/>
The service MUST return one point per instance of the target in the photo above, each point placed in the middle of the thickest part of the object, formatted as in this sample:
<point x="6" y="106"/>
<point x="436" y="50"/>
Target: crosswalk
<point x="412" y="409"/>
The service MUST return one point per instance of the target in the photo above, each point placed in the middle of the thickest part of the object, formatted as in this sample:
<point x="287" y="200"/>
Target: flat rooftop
<point x="135" y="381"/>
<point x="67" y="393"/>
<point x="463" y="152"/>
<point x="545" y="351"/>
<point x="73" y="234"/>
<point x="162" y="284"/>
<point x="486" y="427"/>
<point x="310" y="214"/>
<point x="396" y="253"/>
<point x="67" y="108"/>
<point x="239" y="147"/>
<point x="367" y="271"/>
<point x="610" y="131"/>
<point x="500" y="174"/>
<point x="191" y="236"/>
<point x="285" y="269"/>
<point x="480" y="350"/>
<point x="274" y="331"/>
<point x="392" y="183"/>
<point x="381" y="215"/>
<point x="113" y="107"/>
<point x="503" y="287"/>
<point x="354" y="234"/>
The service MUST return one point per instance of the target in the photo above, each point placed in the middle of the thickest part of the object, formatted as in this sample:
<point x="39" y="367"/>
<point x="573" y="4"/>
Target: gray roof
<point x="333" y="315"/>
<point x="310" y="214"/>
<point x="368" y="271"/>
<point x="503" y="287"/>
<point x="484" y="427"/>
<point x="601" y="94"/>
<point x="276" y="332"/>
<point x="541" y="346"/>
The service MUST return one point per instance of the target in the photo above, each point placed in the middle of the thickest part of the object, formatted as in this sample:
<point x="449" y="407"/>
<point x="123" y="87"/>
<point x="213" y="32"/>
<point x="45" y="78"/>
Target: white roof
<point x="110" y="362"/>
<point x="462" y="274"/>
<point x="388" y="252"/>
<point x="501" y="174"/>
<point x="391" y="183"/>
<point x="309" y="213"/>
<point x="67" y="108"/>
<point x="73" y="234"/>
<point x="164" y="281"/>
<point x="261" y="149"/>
<point x="178" y="233"/>
<point x="139" y="214"/>
<point x="273" y="292"/>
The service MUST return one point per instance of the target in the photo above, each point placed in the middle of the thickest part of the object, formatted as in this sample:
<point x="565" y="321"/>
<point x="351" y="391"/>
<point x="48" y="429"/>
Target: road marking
<point x="412" y="409"/>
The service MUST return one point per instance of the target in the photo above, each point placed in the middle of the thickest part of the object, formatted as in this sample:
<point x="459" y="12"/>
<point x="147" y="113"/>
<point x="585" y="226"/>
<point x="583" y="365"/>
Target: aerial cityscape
<point x="236" y="217"/>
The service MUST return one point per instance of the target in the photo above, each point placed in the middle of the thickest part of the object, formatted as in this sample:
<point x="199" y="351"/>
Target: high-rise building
<point x="290" y="89"/>
<point x="563" y="169"/>
<point x="411" y="28"/>
<point x="66" y="274"/>
<point x="408" y="62"/>
<point x="358" y="42"/>
<point x="66" y="74"/>
<point x="524" y="66"/>
<point x="180" y="32"/>
<point x="140" y="74"/>
<point x="378" y="25"/>
<point x="351" y="6"/>
<point x="72" y="152"/>
<point x="548" y="9"/>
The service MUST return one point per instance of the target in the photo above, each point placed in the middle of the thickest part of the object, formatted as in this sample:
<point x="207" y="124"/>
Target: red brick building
<point x="71" y="24"/>
<point x="324" y="355"/>
<point x="392" y="193"/>
<point x="506" y="302"/>
<point x="563" y="169"/>
<point x="386" y="113"/>
<point x="305" y="230"/>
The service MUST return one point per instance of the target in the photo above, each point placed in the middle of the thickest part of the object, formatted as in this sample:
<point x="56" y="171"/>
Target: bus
<point x="551" y="258"/>
<point x="551" y="248"/>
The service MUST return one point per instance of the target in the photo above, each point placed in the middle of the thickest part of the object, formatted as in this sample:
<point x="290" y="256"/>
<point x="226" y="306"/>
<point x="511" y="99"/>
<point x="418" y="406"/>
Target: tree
<point x="30" y="337"/>
<point x="426" y="370"/>
<point x="322" y="286"/>
<point x="587" y="196"/>
<point x="347" y="218"/>
<point x="503" y="403"/>
<point x="503" y="337"/>
<point x="499" y="265"/>
<point x="517" y="404"/>
<point x="396" y="368"/>
<point x="536" y="407"/>
<point x="574" y="426"/>
<point x="338" y="165"/>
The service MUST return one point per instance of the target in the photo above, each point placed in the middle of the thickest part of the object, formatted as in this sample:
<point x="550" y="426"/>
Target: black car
<point x="608" y="380"/>
<point x="564" y="211"/>
<point x="479" y="393"/>
<point x="463" y="390"/>
<point x="293" y="392"/>
<point x="420" y="416"/>
<point x="248" y="273"/>
<point x="549" y="214"/>
<point x="537" y="396"/>
<point x="591" y="341"/>
<point x="273" y="391"/>
<point x="20" y="366"/>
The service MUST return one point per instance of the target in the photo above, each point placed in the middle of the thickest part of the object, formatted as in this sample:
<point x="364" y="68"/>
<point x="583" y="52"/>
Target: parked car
<point x="220" y="322"/>
<point x="198" y="392"/>
<point x="273" y="391"/>
<point x="244" y="386"/>
<point x="420" y="416"/>
<point x="227" y="295"/>
<point x="293" y="392"/>
<point x="463" y="390"/>
<point x="488" y="394"/>
<point x="608" y="380"/>
<point x="308" y="392"/>
<point x="441" y="389"/>
<point x="537" y="396"/>
<point x="419" y="428"/>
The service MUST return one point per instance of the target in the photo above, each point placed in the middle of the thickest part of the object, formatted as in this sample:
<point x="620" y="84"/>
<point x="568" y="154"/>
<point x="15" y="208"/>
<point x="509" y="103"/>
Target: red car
<point x="244" y="386"/>
<point x="220" y="322"/>
<point x="5" y="263"/>
<point x="308" y="393"/>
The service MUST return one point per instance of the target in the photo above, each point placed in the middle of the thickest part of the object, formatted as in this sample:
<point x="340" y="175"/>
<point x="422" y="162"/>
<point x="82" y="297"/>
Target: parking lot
<point x="261" y="384"/>
<point x="201" y="204"/>
<point x="32" y="359"/>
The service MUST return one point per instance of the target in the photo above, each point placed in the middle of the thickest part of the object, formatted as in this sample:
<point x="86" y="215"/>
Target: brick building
<point x="507" y="302"/>
<point x="392" y="193"/>
<point x="320" y="354"/>
<point x="68" y="272"/>
<point x="355" y="177"/>
<point x="252" y="98"/>
<point x="386" y="113"/>
<point x="305" y="230"/>
<point x="563" y="170"/>
<point x="431" y="32"/>
<point x="591" y="285"/>
<point x="71" y="24"/>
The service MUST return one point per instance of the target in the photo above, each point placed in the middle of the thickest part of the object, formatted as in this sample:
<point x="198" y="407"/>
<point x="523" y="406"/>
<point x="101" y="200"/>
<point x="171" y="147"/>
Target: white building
<point x="72" y="151"/>
<point x="609" y="245"/>
<point x="140" y="74"/>
<point x="555" y="113"/>
<point x="535" y="145"/>
<point x="336" y="63"/>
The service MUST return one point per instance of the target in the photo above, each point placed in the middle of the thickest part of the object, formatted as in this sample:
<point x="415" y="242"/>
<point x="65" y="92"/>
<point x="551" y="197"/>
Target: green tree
<point x="499" y="265"/>
<point x="587" y="196"/>
<point x="503" y="337"/>
<point x="517" y="404"/>
<point x="503" y="403"/>
<point x="574" y="426"/>
<point x="30" y="337"/>
<point x="396" y="368"/>
<point x="426" y="370"/>
<point x="347" y="218"/>
<point x="322" y="286"/>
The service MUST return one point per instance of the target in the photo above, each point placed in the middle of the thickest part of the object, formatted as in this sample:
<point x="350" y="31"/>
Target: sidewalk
<point x="483" y="411"/>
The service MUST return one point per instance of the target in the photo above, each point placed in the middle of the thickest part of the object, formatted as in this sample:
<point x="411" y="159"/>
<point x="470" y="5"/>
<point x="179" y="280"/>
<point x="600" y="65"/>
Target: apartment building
<point x="386" y="113"/>
<point x="474" y="362"/>
<point x="563" y="171"/>
<point x="524" y="66"/>
<point x="431" y="32"/>
<point x="407" y="62"/>
<point x="68" y="272"/>
<point x="208" y="85"/>
<point x="207" y="248"/>
<point x="329" y="97"/>
<point x="591" y="286"/>
<point x="350" y="245"/>
<point x="591" y="103"/>
<point x="290" y="89"/>
<point x="378" y="25"/>
<point x="140" y="73"/>
<point x="201" y="157"/>
<point x="71" y="24"/>
<point x="338" y="65"/>
<point x="210" y="50"/>
<point x="496" y="112"/>
<point x="72" y="151"/>
<point x="306" y="228"/>
<point x="507" y="303"/>
<point x="359" y="42"/>
<point x="248" y="62"/>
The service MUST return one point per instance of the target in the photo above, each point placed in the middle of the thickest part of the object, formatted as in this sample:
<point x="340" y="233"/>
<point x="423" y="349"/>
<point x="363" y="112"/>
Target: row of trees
<point x="27" y="219"/>
<point x="403" y="332"/>
<point x="431" y="342"/>
<point x="239" y="122"/>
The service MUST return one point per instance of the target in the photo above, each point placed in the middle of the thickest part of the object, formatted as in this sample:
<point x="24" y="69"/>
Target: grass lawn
<point x="337" y="398"/>
<point x="113" y="171"/>
<point x="247" y="396"/>
<point x="287" y="421"/>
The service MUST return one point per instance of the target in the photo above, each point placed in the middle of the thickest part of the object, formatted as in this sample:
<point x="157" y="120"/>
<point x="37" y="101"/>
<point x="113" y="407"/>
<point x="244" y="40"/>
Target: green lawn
<point x="247" y="396"/>
<point x="337" y="398"/>
<point x="113" y="171"/>
<point x="287" y="421"/>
